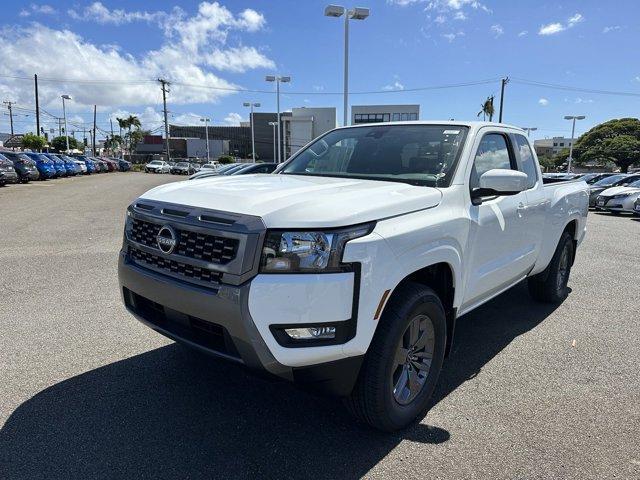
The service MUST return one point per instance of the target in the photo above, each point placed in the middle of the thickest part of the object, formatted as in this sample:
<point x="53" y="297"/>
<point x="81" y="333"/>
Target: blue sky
<point x="110" y="52"/>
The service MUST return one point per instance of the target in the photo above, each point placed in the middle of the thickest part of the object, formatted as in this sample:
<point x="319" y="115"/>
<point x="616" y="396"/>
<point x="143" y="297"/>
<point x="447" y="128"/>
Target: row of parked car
<point x="22" y="167"/>
<point x="612" y="192"/>
<point x="208" y="169"/>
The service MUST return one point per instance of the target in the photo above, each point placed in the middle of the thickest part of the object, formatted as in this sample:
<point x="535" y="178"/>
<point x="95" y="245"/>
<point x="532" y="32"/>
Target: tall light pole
<point x="273" y="125"/>
<point x="573" y="132"/>
<point x="278" y="80"/>
<point x="206" y="133"/>
<point x="357" y="13"/>
<point x="64" y="114"/>
<point x="253" y="138"/>
<point x="529" y="130"/>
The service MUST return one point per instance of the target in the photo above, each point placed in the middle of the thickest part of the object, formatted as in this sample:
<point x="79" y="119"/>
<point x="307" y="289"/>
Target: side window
<point x="493" y="152"/>
<point x="527" y="160"/>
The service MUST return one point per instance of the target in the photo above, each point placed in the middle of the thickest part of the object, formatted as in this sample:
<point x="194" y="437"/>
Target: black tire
<point x="550" y="286"/>
<point x="373" y="400"/>
<point x="614" y="212"/>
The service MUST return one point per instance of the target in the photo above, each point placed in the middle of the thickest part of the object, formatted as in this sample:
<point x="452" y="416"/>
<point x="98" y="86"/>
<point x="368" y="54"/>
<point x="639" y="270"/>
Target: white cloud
<point x="523" y="33"/>
<point x="36" y="9"/>
<point x="459" y="16"/>
<point x="543" y="101"/>
<point x="452" y="36"/>
<point x="440" y="19"/>
<point x="186" y="119"/>
<point x="611" y="28"/>
<point x="575" y="19"/>
<point x="637" y="78"/>
<point x="496" y="30"/>
<point x="583" y="100"/>
<point x="238" y="59"/>
<point x="396" y="85"/>
<point x="557" y="27"/>
<point x="233" y="119"/>
<point x="108" y="75"/>
<point x="551" y="29"/>
<point x="150" y="118"/>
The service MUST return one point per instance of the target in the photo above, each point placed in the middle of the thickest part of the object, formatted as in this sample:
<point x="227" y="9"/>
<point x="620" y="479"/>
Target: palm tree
<point x="487" y="109"/>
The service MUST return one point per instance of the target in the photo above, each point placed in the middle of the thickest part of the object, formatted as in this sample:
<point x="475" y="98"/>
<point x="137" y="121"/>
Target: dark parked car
<point x="223" y="170"/>
<point x="183" y="168"/>
<point x="7" y="172"/>
<point x="91" y="165"/>
<point x="591" y="178"/>
<point x="123" y="165"/>
<point x="44" y="165"/>
<point x="619" y="180"/>
<point x="111" y="165"/>
<point x="58" y="165"/>
<point x="255" y="168"/>
<point x="69" y="164"/>
<point x="100" y="164"/>
<point x="23" y="165"/>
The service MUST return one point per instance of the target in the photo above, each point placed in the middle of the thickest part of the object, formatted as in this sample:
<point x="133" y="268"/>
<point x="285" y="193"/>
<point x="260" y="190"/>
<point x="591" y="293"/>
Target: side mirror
<point x="498" y="182"/>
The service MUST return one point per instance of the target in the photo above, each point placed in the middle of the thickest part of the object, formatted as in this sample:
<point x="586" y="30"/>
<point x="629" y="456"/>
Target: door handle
<point x="521" y="208"/>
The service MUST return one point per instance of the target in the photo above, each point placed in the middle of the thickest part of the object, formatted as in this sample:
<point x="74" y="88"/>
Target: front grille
<point x="203" y="276"/>
<point x="210" y="248"/>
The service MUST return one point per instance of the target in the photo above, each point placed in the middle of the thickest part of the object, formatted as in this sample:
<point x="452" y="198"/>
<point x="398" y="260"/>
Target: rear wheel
<point x="403" y="362"/>
<point x="550" y="286"/>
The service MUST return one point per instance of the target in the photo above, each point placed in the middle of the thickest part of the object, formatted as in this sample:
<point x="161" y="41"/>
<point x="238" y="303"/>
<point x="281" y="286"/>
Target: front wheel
<point x="550" y="286"/>
<point x="402" y="365"/>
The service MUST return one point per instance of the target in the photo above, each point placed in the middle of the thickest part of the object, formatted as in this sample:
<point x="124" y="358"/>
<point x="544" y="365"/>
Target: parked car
<point x="210" y="166"/>
<point x="255" y="168"/>
<point x="70" y="166"/>
<point x="23" y="165"/>
<point x="58" y="165"/>
<point x="591" y="178"/>
<point x="619" y="180"/>
<point x="183" y="168"/>
<point x="7" y="172"/>
<point x="157" y="166"/>
<point x="350" y="275"/>
<point x="101" y="165"/>
<point x="619" y="199"/>
<point x="636" y="207"/>
<point x="45" y="166"/>
<point x="111" y="165"/>
<point x="92" y="167"/>
<point x="81" y="166"/>
<point x="123" y="165"/>
<point x="223" y="170"/>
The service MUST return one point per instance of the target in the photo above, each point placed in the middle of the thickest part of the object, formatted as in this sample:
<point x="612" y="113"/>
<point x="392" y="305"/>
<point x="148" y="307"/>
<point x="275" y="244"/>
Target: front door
<point x="497" y="256"/>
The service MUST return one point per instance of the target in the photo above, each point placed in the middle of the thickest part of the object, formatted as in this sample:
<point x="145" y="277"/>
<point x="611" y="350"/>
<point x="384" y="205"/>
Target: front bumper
<point x="8" y="177"/>
<point x="220" y="322"/>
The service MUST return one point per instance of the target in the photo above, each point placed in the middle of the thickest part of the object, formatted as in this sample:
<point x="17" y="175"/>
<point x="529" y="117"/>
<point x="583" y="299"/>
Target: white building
<point x="551" y="146"/>
<point x="384" y="113"/>
<point x="304" y="124"/>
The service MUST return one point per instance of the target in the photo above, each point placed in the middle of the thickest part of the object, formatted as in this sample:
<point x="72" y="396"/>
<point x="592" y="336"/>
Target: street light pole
<point x="206" y="133"/>
<point x="357" y="13"/>
<point x="64" y="114"/>
<point x="529" y="130"/>
<point x="253" y="138"/>
<point x="278" y="79"/>
<point x="273" y="125"/>
<point x="573" y="132"/>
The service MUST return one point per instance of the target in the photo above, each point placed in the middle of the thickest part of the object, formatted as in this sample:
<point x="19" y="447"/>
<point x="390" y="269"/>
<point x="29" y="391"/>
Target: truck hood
<point x="296" y="201"/>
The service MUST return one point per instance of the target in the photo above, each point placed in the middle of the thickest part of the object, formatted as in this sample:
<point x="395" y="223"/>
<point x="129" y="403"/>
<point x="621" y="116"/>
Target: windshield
<point x="635" y="184"/>
<point x="609" y="180"/>
<point x="234" y="168"/>
<point x="43" y="158"/>
<point x="182" y="164"/>
<point x="155" y="162"/>
<point x="416" y="154"/>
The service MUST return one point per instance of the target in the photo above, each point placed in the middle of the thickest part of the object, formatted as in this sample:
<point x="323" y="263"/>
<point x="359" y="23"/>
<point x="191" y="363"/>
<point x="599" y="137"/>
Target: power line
<point x="573" y="89"/>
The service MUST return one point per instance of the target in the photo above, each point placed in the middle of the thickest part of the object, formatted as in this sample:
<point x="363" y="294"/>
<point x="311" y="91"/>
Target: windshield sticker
<point x="451" y="132"/>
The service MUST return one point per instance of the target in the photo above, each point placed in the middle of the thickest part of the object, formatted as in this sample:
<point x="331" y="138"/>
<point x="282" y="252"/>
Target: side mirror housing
<point x="499" y="182"/>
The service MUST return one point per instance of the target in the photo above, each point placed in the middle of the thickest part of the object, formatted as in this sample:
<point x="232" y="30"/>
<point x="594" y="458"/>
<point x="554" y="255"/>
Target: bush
<point x="224" y="159"/>
<point x="33" y="142"/>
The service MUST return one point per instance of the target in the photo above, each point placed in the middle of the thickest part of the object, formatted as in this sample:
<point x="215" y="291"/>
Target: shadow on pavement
<point x="170" y="414"/>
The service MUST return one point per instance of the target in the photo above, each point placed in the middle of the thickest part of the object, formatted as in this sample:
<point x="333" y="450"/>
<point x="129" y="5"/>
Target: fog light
<point x="311" y="333"/>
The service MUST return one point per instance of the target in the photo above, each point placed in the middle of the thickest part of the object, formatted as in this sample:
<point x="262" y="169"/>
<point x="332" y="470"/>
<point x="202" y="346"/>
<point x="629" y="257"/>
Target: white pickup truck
<point x="347" y="268"/>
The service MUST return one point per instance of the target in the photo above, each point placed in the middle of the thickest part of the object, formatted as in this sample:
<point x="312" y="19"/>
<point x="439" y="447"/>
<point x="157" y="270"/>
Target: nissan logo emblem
<point x="167" y="239"/>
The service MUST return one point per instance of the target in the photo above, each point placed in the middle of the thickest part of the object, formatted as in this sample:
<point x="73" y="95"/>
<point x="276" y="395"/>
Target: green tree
<point x="617" y="140"/>
<point x="135" y="137"/>
<point x="224" y="159"/>
<point x="60" y="143"/>
<point x="113" y="143"/>
<point x="547" y="163"/>
<point x="487" y="109"/>
<point x="33" y="142"/>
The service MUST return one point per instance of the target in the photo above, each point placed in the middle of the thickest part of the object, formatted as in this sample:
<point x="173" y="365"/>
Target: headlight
<point x="307" y="251"/>
<point x="622" y="195"/>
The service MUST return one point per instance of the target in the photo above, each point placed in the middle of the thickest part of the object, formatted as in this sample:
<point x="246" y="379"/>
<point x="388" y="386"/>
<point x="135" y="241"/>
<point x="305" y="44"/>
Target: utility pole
<point x="35" y="80"/>
<point x="164" y="85"/>
<point x="8" y="104"/>
<point x="111" y="123"/>
<point x="94" y="130"/>
<point x="505" y="80"/>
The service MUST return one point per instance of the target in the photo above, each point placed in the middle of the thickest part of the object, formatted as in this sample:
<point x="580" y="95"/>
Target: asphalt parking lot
<point x="530" y="391"/>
